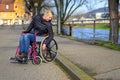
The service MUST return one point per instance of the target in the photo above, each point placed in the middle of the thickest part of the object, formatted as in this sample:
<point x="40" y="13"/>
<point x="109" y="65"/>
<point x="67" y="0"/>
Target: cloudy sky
<point x="92" y="5"/>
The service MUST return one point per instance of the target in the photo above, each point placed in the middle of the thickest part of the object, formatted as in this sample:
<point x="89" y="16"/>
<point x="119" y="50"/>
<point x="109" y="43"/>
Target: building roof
<point x="6" y="1"/>
<point x="7" y="5"/>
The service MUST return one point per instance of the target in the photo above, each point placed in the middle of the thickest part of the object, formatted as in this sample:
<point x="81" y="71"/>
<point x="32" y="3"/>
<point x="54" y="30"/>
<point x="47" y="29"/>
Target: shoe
<point x="20" y="58"/>
<point x="23" y="55"/>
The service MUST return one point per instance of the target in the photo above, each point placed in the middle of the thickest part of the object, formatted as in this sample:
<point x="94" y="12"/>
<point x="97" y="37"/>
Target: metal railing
<point x="98" y="29"/>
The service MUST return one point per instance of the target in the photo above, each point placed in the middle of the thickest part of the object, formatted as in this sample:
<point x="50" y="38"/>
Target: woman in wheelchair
<point x="41" y="24"/>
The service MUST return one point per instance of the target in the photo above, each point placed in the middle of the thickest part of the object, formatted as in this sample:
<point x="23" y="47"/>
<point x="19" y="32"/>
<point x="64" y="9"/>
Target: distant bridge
<point x="85" y="22"/>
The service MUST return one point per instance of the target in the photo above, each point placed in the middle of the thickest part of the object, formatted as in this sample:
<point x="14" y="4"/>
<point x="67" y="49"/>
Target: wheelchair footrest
<point x="12" y="58"/>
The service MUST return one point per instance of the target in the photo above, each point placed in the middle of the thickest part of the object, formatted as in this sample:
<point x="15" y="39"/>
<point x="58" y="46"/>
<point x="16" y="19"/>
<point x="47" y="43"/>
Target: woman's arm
<point x="29" y="28"/>
<point x="50" y="34"/>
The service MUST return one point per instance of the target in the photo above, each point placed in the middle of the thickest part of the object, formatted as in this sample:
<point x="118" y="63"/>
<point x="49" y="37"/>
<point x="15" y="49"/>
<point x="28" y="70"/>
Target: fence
<point x="89" y="29"/>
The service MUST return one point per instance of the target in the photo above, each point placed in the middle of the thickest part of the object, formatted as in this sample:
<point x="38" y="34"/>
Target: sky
<point x="89" y="6"/>
<point x="92" y="5"/>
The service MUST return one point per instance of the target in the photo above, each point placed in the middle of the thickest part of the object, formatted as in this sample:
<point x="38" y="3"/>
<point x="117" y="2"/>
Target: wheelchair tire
<point x="50" y="53"/>
<point x="37" y="60"/>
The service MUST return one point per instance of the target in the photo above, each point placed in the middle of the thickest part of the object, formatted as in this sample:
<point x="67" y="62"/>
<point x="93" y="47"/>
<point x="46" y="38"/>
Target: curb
<point x="75" y="72"/>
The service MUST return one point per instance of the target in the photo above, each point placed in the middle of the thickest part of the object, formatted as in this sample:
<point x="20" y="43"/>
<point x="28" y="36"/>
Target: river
<point x="88" y="34"/>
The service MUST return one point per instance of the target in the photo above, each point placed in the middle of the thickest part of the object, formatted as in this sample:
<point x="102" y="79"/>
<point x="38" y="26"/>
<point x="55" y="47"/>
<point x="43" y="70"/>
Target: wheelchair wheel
<point x="51" y="51"/>
<point x="37" y="60"/>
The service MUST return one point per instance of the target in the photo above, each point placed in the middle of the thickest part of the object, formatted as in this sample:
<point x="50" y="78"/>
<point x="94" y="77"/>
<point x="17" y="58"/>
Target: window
<point x="7" y="6"/>
<point x="16" y="6"/>
<point x="16" y="14"/>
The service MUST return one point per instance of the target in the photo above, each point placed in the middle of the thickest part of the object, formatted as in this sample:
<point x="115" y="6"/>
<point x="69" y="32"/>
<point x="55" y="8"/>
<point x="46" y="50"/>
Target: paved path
<point x="12" y="71"/>
<point x="99" y="62"/>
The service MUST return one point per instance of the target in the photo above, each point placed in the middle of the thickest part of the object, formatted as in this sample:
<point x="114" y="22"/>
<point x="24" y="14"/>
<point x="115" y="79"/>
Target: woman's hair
<point x="48" y="12"/>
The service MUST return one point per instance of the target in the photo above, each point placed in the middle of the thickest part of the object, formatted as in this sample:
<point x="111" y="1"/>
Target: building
<point x="11" y="12"/>
<point x="102" y="15"/>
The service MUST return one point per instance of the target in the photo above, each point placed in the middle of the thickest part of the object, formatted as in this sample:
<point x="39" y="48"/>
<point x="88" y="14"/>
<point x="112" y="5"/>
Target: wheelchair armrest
<point x="24" y="32"/>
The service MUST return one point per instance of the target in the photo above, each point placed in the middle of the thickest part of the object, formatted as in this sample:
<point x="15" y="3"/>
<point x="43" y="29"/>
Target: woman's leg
<point x="22" y="44"/>
<point x="27" y="39"/>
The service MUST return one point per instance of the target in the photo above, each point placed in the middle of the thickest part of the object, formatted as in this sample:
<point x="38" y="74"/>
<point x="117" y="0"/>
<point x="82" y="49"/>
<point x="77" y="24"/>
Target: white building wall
<point x="98" y="15"/>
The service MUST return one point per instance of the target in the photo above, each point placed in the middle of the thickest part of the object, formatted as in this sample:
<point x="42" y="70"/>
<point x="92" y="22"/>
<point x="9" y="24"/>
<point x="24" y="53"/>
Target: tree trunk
<point x="62" y="29"/>
<point x="114" y="21"/>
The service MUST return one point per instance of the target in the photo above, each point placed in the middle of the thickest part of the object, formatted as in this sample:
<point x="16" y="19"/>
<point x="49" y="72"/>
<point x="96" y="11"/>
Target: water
<point x="88" y="34"/>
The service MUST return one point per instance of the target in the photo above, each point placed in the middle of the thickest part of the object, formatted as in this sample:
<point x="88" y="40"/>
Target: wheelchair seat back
<point x="39" y="38"/>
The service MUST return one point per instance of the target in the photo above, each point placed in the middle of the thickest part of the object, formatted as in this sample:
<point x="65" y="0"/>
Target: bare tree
<point x="31" y="5"/>
<point x="114" y="21"/>
<point x="67" y="8"/>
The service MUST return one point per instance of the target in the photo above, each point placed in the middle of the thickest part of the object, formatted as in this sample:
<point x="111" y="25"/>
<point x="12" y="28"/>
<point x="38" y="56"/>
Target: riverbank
<point x="89" y="33"/>
<point x="95" y="42"/>
<point x="103" y="26"/>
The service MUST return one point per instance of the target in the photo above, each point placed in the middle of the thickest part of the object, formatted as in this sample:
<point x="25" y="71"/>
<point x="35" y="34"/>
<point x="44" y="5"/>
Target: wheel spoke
<point x="50" y="53"/>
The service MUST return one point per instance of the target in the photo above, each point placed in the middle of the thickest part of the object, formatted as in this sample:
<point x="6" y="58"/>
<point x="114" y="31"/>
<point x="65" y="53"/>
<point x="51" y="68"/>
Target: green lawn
<point x="97" y="26"/>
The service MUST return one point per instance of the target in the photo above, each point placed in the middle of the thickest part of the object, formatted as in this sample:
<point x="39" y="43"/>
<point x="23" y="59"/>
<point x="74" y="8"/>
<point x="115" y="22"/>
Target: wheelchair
<point x="36" y="53"/>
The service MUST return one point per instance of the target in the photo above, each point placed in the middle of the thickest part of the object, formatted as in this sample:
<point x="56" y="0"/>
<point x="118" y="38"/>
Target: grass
<point x="106" y="44"/>
<point x="113" y="46"/>
<point x="103" y="26"/>
<point x="97" y="42"/>
<point x="98" y="26"/>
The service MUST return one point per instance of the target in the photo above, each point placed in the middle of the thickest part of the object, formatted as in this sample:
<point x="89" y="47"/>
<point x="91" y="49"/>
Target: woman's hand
<point x="44" y="46"/>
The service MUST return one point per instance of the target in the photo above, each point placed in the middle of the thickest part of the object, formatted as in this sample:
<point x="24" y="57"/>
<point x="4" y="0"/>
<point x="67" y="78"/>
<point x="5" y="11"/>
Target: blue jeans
<point x="25" y="41"/>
